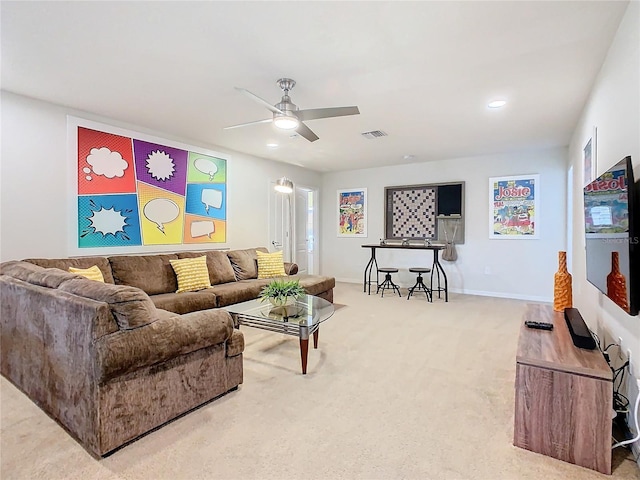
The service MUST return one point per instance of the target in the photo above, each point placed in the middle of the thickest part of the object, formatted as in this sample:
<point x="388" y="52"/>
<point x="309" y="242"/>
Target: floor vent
<point x="373" y="134"/>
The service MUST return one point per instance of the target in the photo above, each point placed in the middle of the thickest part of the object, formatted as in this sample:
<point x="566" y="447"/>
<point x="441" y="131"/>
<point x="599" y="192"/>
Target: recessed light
<point x="408" y="157"/>
<point x="497" y="104"/>
<point x="272" y="145"/>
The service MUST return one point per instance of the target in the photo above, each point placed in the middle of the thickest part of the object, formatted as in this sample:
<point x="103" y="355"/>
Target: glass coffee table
<point x="300" y="319"/>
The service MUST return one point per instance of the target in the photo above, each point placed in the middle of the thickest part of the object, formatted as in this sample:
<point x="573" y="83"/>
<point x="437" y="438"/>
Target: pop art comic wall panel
<point x="135" y="193"/>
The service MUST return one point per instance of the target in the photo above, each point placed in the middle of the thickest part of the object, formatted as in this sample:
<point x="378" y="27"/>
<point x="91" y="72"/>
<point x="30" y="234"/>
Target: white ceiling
<point x="422" y="72"/>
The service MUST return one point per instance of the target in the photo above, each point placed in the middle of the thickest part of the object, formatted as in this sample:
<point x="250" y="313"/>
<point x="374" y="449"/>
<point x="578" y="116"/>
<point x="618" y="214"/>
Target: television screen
<point x="611" y="234"/>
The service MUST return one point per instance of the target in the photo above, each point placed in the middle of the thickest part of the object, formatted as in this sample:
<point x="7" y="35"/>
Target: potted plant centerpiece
<point x="282" y="292"/>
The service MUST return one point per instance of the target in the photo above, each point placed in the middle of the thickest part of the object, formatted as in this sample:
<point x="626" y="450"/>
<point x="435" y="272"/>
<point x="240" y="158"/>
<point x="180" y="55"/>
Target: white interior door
<point x="297" y="243"/>
<point x="301" y="236"/>
<point x="279" y="232"/>
<point x="306" y="226"/>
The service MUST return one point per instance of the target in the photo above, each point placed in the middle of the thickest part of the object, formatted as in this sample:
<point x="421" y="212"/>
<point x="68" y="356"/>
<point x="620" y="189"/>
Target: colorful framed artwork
<point x="352" y="212"/>
<point x="514" y="207"/>
<point x="589" y="160"/>
<point x="136" y="193"/>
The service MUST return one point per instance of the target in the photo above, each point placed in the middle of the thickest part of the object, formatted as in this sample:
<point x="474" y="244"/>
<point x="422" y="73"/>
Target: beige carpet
<point x="397" y="389"/>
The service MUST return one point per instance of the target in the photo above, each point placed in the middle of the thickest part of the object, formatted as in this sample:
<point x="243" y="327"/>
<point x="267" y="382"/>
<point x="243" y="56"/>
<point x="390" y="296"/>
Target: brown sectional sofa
<point x="113" y="361"/>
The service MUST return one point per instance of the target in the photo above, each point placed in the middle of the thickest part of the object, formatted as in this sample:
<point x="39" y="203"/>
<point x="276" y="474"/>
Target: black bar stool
<point x="388" y="283"/>
<point x="420" y="286"/>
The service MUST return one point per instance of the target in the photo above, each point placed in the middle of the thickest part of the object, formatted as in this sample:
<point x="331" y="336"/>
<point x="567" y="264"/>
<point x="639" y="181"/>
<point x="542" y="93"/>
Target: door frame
<point x="313" y="266"/>
<point x="273" y="222"/>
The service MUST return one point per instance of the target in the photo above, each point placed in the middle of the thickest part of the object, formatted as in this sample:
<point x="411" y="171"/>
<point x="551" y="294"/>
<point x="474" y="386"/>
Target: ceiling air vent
<point x="373" y="134"/>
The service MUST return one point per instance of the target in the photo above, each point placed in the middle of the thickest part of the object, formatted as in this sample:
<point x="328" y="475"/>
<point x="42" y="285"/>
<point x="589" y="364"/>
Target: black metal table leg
<point x="437" y="269"/>
<point x="369" y="267"/>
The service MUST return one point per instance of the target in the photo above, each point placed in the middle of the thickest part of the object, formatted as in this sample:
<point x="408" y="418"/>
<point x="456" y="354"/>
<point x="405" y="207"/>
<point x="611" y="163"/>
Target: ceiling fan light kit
<point x="287" y="116"/>
<point x="285" y="122"/>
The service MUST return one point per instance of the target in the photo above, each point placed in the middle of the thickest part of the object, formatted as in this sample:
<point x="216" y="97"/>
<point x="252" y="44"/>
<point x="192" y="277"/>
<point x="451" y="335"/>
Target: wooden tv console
<point x="564" y="395"/>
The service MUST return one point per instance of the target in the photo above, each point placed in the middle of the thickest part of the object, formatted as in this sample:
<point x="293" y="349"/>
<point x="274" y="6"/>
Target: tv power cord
<point x="620" y="402"/>
<point x="637" y="437"/>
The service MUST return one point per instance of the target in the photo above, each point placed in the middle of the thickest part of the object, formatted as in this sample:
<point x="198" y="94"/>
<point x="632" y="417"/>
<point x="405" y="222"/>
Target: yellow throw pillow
<point x="192" y="274"/>
<point x="92" y="273"/>
<point x="270" y="265"/>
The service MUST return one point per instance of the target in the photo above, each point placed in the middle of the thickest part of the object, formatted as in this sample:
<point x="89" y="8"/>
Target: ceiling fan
<point x="287" y="116"/>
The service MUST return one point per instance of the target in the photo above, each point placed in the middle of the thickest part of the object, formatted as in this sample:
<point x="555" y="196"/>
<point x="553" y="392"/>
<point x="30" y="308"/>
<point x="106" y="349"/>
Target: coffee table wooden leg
<point x="304" y="351"/>
<point x="315" y="338"/>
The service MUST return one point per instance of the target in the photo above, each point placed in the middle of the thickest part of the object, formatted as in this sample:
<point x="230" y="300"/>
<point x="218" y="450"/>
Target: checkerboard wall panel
<point x="414" y="213"/>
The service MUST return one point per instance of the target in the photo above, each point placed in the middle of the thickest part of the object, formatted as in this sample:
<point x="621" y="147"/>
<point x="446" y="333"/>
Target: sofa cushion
<point x="244" y="262"/>
<point x="169" y="337"/>
<point x="191" y="273"/>
<point x="85" y="262"/>
<point x="270" y="265"/>
<point x="130" y="306"/>
<point x="185" y="302"/>
<point x="218" y="264"/>
<point x="315" y="284"/>
<point x="91" y="273"/>
<point x="236" y="292"/>
<point x="151" y="273"/>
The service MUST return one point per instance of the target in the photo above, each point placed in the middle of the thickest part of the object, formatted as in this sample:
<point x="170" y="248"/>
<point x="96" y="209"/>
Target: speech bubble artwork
<point x="160" y="165"/>
<point x="161" y="211"/>
<point x="105" y="162"/>
<point x="200" y="229"/>
<point x="206" y="166"/>
<point x="107" y="221"/>
<point x="211" y="198"/>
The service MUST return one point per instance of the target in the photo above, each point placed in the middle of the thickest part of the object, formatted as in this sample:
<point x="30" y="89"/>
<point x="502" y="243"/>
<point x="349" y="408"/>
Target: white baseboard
<point x="515" y="296"/>
<point x="349" y="280"/>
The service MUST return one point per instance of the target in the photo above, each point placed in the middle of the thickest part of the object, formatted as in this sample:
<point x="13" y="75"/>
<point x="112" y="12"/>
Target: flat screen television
<point x="612" y="231"/>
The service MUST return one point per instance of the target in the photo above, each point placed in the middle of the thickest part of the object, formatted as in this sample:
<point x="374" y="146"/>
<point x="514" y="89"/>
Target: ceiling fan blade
<point x="306" y="132"/>
<point x="261" y="101"/>
<point x="249" y="123"/>
<point x="315" y="113"/>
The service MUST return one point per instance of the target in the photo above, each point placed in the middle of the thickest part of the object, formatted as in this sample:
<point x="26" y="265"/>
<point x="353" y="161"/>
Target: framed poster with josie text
<point x="514" y="207"/>
<point x="352" y="212"/>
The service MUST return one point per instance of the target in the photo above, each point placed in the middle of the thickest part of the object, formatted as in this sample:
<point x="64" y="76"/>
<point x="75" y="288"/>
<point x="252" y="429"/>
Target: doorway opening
<point x="293" y="226"/>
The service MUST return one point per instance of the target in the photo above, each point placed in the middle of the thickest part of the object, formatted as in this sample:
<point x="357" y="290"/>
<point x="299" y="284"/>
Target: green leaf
<point x="280" y="289"/>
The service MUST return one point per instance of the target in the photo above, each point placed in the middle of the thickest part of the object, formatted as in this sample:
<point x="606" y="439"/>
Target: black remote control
<point x="539" y="325"/>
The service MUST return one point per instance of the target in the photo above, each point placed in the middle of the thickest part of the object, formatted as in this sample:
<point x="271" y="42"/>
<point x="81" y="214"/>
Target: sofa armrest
<point x="168" y="337"/>
<point x="47" y="351"/>
<point x="290" y="268"/>
<point x="235" y="344"/>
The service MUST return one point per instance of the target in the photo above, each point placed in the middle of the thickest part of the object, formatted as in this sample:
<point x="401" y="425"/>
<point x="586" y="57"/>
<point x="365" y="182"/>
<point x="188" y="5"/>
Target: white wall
<point x="518" y="268"/>
<point x="614" y="108"/>
<point x="33" y="181"/>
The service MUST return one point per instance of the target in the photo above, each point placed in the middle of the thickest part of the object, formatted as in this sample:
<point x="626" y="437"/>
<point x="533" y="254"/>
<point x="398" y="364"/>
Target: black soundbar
<point x="579" y="331"/>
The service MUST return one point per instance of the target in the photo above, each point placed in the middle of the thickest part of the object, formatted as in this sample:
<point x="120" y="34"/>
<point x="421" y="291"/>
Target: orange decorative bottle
<point x="617" y="284"/>
<point x="562" y="293"/>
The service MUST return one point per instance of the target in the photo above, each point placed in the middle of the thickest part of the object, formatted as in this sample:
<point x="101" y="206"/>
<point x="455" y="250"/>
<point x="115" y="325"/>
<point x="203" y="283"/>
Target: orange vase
<point x="617" y="284"/>
<point x="562" y="294"/>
